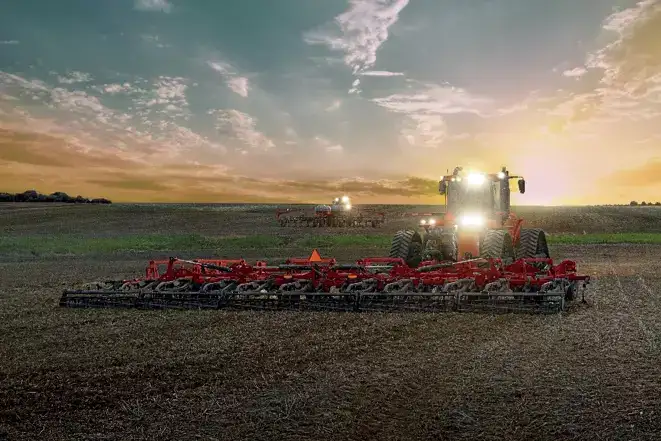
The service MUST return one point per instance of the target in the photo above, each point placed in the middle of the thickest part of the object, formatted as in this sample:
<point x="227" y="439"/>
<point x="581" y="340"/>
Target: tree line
<point x="58" y="196"/>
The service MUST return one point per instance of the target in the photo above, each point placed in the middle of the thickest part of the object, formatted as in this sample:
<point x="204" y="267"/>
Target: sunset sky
<point x="301" y="100"/>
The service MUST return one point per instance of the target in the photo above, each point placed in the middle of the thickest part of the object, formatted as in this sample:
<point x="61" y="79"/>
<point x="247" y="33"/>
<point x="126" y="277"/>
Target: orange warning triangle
<point x="315" y="256"/>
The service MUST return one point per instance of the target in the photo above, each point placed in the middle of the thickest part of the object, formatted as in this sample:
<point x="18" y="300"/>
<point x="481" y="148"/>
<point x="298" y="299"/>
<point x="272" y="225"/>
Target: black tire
<point x="440" y="245"/>
<point x="497" y="244"/>
<point x="407" y="245"/>
<point x="532" y="243"/>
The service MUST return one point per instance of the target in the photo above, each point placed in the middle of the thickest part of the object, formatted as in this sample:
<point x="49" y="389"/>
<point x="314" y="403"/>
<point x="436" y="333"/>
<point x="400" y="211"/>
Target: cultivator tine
<point x="98" y="299"/>
<point x="294" y="301"/>
<point x="507" y="302"/>
<point x="502" y="302"/>
<point x="407" y="302"/>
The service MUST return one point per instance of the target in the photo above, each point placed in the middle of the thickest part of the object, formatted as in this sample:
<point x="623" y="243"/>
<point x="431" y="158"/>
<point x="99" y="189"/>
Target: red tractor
<point x="477" y="222"/>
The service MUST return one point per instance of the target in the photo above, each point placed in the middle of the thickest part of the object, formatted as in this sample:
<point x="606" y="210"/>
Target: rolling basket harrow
<point x="534" y="285"/>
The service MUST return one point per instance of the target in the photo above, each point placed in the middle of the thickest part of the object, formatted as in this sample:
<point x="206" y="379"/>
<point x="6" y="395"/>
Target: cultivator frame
<point x="368" y="285"/>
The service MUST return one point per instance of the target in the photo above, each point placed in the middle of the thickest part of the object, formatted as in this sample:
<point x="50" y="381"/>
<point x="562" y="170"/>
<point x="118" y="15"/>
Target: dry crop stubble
<point x="74" y="374"/>
<point x="333" y="376"/>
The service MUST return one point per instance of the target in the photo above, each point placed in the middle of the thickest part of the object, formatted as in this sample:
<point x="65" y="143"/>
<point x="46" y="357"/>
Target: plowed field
<point x="590" y="374"/>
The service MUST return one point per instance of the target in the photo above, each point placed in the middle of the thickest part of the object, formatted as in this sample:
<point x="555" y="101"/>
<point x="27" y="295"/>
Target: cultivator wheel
<point x="532" y="243"/>
<point x="407" y="245"/>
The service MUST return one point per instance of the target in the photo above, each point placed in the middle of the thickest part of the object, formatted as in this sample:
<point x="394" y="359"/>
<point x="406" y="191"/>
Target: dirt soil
<point x="590" y="374"/>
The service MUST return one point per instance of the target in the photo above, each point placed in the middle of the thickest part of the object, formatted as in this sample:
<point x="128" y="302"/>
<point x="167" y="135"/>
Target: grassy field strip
<point x="71" y="244"/>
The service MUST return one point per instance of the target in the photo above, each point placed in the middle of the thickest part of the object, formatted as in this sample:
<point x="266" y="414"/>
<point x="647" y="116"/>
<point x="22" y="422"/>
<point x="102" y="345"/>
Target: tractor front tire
<point x="497" y="244"/>
<point x="440" y="245"/>
<point x="532" y="243"/>
<point x="407" y="245"/>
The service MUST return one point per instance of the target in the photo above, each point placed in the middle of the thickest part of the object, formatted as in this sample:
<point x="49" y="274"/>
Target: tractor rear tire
<point x="440" y="245"/>
<point x="497" y="244"/>
<point x="407" y="245"/>
<point x="532" y="243"/>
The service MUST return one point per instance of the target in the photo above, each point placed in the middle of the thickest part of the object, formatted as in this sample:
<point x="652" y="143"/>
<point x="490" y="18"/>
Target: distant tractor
<point x="340" y="213"/>
<point x="477" y="222"/>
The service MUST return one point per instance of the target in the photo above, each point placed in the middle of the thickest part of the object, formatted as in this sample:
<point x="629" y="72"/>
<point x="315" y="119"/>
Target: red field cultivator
<point x="371" y="284"/>
<point x="340" y="213"/>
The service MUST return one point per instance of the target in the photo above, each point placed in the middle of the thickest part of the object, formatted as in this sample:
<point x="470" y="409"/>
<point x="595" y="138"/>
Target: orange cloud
<point x="50" y="163"/>
<point x="646" y="175"/>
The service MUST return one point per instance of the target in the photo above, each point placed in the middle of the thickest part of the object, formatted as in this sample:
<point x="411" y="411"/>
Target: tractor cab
<point x="477" y="222"/>
<point x="474" y="199"/>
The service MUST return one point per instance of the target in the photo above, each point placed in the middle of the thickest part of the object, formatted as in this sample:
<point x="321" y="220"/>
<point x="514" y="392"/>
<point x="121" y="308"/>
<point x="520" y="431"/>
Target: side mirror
<point x="442" y="186"/>
<point x="522" y="186"/>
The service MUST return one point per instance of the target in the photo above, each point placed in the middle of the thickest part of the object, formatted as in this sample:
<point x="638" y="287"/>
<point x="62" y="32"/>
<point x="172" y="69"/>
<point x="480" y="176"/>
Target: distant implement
<point x="340" y="213"/>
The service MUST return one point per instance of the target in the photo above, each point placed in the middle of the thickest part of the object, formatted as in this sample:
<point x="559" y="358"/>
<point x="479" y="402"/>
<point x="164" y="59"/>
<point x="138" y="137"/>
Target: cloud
<point x="149" y="126"/>
<point x="37" y="149"/>
<point x="117" y="88"/>
<point x="153" y="5"/>
<point x="643" y="176"/>
<point x="131" y="184"/>
<point x="436" y="100"/>
<point x="8" y="41"/>
<point x="577" y="72"/>
<point x="628" y="69"/>
<point x="363" y="29"/>
<point x="155" y="40"/>
<point x="407" y="187"/>
<point x="56" y="163"/>
<point x="167" y="96"/>
<point x="427" y="108"/>
<point x="241" y="126"/>
<point x="424" y="130"/>
<point x="8" y="79"/>
<point x="328" y="145"/>
<point x="238" y="84"/>
<point x="75" y="77"/>
<point x="380" y="73"/>
<point x="335" y="105"/>
<point x="46" y="163"/>
<point x="635" y="55"/>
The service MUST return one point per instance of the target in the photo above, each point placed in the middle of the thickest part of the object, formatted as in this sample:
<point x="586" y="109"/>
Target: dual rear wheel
<point x="440" y="245"/>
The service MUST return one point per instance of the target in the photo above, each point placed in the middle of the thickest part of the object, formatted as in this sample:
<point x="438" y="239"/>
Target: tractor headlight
<point x="345" y="199"/>
<point x="471" y="220"/>
<point x="347" y="206"/>
<point x="501" y="175"/>
<point x="423" y="221"/>
<point x="432" y="221"/>
<point x="476" y="179"/>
